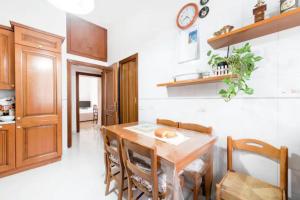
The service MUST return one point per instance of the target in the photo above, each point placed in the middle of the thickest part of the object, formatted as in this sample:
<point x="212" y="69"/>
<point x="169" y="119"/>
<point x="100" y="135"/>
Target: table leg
<point x="209" y="176"/>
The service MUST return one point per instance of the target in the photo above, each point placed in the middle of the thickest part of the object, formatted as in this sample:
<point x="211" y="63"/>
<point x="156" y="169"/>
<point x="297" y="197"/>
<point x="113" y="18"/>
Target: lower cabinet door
<point x="36" y="144"/>
<point x="7" y="147"/>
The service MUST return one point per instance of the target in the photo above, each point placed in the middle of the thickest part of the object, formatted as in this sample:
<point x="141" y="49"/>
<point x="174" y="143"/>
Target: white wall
<point x="73" y="83"/>
<point x="272" y="114"/>
<point x="42" y="15"/>
<point x="88" y="88"/>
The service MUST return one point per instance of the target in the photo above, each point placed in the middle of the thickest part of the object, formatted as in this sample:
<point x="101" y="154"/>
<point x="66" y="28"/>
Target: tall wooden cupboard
<point x="38" y="132"/>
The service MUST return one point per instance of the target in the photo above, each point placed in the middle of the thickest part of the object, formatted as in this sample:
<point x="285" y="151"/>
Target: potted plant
<point x="241" y="64"/>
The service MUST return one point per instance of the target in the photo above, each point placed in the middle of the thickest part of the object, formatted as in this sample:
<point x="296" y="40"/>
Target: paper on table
<point x="149" y="130"/>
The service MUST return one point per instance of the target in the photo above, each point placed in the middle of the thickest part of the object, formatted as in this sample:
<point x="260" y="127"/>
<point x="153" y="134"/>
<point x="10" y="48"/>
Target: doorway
<point x="129" y="89"/>
<point x="88" y="100"/>
<point x="108" y="91"/>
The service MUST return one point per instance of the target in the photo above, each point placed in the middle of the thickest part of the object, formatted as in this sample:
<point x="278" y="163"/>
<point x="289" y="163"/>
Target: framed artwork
<point x="203" y="2"/>
<point x="204" y="12"/>
<point x="188" y="45"/>
<point x="287" y="5"/>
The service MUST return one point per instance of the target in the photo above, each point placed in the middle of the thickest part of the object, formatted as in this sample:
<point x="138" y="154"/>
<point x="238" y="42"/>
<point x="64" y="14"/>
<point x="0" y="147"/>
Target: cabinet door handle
<point x="1" y="126"/>
<point x="19" y="127"/>
<point x="18" y="118"/>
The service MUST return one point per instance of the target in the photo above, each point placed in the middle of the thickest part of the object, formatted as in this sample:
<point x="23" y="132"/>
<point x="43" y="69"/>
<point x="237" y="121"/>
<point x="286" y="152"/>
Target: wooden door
<point x="7" y="147"/>
<point x="38" y="105"/>
<point x="129" y="90"/>
<point x="110" y="114"/>
<point x="7" y="66"/>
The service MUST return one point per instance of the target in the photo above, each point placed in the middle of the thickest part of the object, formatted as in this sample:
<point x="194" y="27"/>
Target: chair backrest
<point x="112" y="146"/>
<point x="167" y="122"/>
<point x="129" y="150"/>
<point x="95" y="109"/>
<point x="264" y="149"/>
<point x="195" y="127"/>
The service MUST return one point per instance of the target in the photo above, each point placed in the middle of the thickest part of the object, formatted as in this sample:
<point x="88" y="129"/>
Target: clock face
<point x="187" y="16"/>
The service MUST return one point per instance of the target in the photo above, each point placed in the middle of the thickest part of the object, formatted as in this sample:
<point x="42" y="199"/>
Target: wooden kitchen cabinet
<point x="90" y="41"/>
<point x="38" y="97"/>
<point x="7" y="147"/>
<point x="7" y="66"/>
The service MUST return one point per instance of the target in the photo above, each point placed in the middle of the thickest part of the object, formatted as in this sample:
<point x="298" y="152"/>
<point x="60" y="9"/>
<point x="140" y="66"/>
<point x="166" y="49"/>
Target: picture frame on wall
<point x="188" y="45"/>
<point x="287" y="5"/>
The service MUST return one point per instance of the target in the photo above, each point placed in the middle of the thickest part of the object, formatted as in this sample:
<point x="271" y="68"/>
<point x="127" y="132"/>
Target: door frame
<point x="71" y="63"/>
<point x="77" y="95"/>
<point x="121" y="62"/>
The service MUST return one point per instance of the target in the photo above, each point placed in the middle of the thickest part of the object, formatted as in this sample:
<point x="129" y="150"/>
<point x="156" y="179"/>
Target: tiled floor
<point x="87" y="125"/>
<point x="79" y="176"/>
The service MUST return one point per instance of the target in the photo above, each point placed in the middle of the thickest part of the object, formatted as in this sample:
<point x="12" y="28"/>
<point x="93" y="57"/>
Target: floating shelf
<point x="212" y="79"/>
<point x="268" y="26"/>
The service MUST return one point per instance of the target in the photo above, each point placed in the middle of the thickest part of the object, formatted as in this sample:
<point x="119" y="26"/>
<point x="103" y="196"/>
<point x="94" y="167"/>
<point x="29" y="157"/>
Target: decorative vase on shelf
<point x="259" y="11"/>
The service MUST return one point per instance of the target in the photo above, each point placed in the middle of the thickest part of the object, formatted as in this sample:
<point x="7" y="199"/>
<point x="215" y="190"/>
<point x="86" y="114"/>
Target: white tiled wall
<point x="272" y="114"/>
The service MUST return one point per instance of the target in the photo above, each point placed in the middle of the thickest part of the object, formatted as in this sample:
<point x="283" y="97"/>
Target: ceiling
<point x="109" y="12"/>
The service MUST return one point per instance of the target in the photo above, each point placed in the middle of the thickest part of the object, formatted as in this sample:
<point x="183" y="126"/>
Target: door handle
<point x="18" y="118"/>
<point x="19" y="127"/>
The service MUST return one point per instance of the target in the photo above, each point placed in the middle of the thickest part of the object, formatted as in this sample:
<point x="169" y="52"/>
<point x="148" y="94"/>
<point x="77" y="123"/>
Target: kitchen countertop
<point x="11" y="122"/>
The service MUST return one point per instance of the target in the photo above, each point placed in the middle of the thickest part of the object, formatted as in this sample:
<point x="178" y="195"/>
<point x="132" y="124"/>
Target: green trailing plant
<point x="241" y="63"/>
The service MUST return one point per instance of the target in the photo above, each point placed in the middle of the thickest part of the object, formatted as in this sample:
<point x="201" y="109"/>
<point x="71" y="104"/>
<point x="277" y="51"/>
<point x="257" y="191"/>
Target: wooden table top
<point x="177" y="155"/>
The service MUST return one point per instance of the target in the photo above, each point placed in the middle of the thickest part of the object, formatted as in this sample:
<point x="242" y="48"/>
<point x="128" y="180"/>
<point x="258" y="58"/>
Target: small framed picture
<point x="193" y="36"/>
<point x="203" y="2"/>
<point x="204" y="12"/>
<point x="188" y="45"/>
<point x="287" y="5"/>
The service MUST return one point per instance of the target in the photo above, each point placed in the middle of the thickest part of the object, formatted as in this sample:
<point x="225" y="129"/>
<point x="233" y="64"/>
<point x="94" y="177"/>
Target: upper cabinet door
<point x="36" y="39"/>
<point x="7" y="66"/>
<point x="86" y="39"/>
<point x="38" y="110"/>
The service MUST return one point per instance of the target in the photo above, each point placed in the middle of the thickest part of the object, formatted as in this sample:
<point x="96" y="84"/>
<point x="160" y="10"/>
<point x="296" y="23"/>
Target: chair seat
<point x="145" y="166"/>
<point x="114" y="159"/>
<point x="197" y="166"/>
<point x="162" y="183"/>
<point x="240" y="186"/>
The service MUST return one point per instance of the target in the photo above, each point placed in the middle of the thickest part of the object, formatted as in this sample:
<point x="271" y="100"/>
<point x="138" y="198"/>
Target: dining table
<point x="174" y="155"/>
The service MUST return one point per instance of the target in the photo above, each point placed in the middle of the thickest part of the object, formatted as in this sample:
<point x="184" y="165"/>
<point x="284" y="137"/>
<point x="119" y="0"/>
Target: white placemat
<point x="149" y="129"/>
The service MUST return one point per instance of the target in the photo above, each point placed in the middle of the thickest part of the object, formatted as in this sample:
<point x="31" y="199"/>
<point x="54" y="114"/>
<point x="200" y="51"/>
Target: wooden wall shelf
<point x="268" y="26"/>
<point x="213" y="79"/>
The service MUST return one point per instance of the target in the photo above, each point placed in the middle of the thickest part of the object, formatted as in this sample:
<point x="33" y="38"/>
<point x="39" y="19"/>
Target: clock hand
<point x="186" y="17"/>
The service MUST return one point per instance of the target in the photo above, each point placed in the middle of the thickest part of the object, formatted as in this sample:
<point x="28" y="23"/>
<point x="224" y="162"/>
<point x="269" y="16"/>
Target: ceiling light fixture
<point x="80" y="7"/>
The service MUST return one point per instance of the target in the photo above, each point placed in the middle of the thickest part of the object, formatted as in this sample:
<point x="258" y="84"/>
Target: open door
<point x="110" y="114"/>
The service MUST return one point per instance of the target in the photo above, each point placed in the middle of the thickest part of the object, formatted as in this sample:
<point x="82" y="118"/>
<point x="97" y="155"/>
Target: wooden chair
<point x="167" y="122"/>
<point x="198" y="168"/>
<point x="95" y="114"/>
<point x="113" y="160"/>
<point x="239" y="186"/>
<point x="143" y="175"/>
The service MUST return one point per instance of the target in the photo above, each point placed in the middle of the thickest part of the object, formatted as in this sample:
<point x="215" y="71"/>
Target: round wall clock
<point x="203" y="2"/>
<point x="187" y="16"/>
<point x="204" y="12"/>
